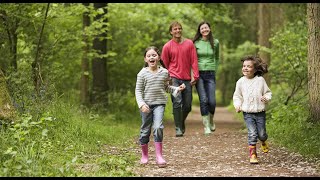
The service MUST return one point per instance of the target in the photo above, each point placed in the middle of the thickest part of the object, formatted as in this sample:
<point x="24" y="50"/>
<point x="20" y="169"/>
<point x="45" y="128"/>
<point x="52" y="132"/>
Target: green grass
<point x="67" y="141"/>
<point x="289" y="126"/>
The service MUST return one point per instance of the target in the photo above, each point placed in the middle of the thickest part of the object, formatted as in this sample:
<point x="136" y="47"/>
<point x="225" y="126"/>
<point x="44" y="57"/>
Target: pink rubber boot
<point x="160" y="161"/>
<point x="144" y="157"/>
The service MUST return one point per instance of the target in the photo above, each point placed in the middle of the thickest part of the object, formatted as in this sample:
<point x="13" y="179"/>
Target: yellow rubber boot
<point x="264" y="147"/>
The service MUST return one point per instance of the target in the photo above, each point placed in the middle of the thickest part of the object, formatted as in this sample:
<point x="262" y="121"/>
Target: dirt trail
<point x="223" y="153"/>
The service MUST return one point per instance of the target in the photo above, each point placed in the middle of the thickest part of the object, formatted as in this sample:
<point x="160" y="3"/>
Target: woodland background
<point x="68" y="74"/>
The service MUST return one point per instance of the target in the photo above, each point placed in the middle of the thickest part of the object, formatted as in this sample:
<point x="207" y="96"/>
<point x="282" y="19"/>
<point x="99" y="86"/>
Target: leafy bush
<point x="288" y="125"/>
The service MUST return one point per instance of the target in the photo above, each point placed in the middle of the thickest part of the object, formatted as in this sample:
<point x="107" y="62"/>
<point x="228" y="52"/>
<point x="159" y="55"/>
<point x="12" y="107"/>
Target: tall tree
<point x="36" y="64"/>
<point x="313" y="13"/>
<point x="99" y="63"/>
<point x="264" y="30"/>
<point x="84" y="83"/>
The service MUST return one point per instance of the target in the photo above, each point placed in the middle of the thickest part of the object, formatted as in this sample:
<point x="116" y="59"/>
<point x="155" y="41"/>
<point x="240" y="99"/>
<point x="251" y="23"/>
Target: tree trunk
<point x="277" y="16"/>
<point x="84" y="83"/>
<point x="14" y="48"/>
<point x="313" y="13"/>
<point x="7" y="111"/>
<point x="36" y="64"/>
<point x="99" y="64"/>
<point x="11" y="29"/>
<point x="264" y="33"/>
<point x="235" y="36"/>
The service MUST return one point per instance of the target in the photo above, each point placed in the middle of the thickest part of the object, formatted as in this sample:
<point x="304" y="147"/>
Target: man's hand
<point x="193" y="82"/>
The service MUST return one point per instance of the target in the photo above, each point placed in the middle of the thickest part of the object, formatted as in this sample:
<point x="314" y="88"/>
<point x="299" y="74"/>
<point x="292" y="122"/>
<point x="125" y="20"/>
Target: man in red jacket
<point x="180" y="57"/>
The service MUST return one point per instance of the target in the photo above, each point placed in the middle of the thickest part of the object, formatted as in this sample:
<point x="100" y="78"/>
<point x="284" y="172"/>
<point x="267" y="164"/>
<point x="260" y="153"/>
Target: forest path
<point x="223" y="153"/>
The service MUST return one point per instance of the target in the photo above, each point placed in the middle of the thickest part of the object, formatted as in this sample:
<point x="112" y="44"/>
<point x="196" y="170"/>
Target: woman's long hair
<point x="198" y="34"/>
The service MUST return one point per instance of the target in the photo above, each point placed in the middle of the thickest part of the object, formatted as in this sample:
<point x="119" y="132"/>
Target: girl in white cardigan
<point x="250" y="97"/>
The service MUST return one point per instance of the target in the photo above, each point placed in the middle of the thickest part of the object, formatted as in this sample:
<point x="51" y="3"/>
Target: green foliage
<point x="168" y="112"/>
<point x="20" y="19"/>
<point x="62" y="60"/>
<point x="59" y="55"/>
<point x="294" y="12"/>
<point x="195" y="97"/>
<point x="242" y="26"/>
<point x="289" y="54"/>
<point x="126" y="100"/>
<point x="26" y="145"/>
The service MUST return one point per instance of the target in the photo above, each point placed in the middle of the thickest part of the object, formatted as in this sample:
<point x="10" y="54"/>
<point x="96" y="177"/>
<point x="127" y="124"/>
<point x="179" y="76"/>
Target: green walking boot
<point x="206" y="123"/>
<point x="212" y="125"/>
<point x="177" y="116"/>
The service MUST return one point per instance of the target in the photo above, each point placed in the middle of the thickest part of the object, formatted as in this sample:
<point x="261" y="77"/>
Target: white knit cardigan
<point x="248" y="93"/>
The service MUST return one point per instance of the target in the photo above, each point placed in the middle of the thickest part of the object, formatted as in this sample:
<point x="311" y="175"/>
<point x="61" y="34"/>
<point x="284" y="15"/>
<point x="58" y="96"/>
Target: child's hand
<point x="182" y="87"/>
<point x="238" y="109"/>
<point x="145" y="108"/>
<point x="264" y="99"/>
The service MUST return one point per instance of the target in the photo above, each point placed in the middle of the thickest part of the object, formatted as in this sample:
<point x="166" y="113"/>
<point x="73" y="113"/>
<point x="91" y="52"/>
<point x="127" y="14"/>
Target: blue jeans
<point x="206" y="88"/>
<point x="152" y="119"/>
<point x="256" y="125"/>
<point x="181" y="105"/>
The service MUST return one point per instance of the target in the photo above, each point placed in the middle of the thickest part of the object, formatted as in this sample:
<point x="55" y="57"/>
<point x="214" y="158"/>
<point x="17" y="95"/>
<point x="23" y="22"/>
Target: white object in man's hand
<point x="178" y="90"/>
<point x="176" y="93"/>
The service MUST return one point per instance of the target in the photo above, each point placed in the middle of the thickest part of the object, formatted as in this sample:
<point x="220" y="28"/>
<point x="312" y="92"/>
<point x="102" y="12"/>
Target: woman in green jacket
<point x="208" y="60"/>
